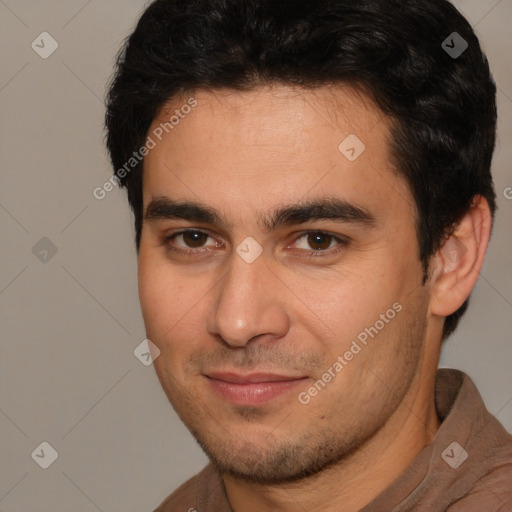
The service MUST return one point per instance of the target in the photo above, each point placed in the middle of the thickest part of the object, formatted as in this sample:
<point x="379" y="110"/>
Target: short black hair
<point x="405" y="54"/>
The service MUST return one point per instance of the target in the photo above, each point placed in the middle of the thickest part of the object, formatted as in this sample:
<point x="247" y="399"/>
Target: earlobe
<point x="459" y="261"/>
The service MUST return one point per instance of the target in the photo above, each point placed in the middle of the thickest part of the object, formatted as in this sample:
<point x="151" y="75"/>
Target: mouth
<point x="252" y="389"/>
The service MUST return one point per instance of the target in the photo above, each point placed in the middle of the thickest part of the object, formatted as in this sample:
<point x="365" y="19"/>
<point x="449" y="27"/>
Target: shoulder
<point x="492" y="492"/>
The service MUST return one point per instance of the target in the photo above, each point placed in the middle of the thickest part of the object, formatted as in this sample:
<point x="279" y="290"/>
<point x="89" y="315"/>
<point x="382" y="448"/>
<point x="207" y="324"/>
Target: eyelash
<point x="341" y="243"/>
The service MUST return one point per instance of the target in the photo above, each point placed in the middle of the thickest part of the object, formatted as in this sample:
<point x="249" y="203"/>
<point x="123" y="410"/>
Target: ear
<point x="456" y="266"/>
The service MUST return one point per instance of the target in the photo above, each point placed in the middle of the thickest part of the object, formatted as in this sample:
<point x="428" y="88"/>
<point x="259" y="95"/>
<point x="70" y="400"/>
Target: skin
<point x="297" y="307"/>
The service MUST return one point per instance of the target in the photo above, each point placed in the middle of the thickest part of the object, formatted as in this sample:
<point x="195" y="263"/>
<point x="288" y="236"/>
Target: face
<point x="279" y="276"/>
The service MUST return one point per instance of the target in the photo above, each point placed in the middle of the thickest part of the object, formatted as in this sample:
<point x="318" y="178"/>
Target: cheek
<point x="154" y="303"/>
<point x="346" y="302"/>
<point x="173" y="307"/>
<point x="162" y="295"/>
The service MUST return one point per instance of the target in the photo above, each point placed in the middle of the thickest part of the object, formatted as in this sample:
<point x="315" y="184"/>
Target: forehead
<point x="276" y="106"/>
<point x="269" y="145"/>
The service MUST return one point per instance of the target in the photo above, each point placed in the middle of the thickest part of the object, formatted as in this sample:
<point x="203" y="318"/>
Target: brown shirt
<point x="440" y="478"/>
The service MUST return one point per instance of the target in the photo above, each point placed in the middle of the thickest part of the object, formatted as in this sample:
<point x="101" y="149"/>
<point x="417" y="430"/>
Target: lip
<point x="252" y="389"/>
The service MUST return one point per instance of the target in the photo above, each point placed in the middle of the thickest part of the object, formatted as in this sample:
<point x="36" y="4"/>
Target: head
<point x="247" y="113"/>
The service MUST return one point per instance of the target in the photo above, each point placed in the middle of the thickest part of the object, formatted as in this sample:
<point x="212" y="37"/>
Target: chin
<point x="271" y="462"/>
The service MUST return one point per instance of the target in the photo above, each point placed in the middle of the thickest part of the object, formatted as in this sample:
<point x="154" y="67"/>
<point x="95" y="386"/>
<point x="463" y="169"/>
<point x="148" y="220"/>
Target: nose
<point x="246" y="305"/>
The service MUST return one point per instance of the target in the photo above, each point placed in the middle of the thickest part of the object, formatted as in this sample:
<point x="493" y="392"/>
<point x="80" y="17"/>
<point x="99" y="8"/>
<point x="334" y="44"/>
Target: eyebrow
<point x="335" y="209"/>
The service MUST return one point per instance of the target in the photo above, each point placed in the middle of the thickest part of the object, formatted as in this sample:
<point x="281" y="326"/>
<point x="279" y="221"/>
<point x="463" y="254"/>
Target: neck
<point x="360" y="477"/>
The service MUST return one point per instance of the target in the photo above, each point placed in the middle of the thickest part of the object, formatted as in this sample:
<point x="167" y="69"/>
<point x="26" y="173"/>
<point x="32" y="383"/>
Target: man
<point x="313" y="202"/>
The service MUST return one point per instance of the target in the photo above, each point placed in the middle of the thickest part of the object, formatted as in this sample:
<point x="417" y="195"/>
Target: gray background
<point x="68" y="374"/>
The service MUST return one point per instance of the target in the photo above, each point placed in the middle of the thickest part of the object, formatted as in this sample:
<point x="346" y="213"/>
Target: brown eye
<point x="194" y="239"/>
<point x="319" y="241"/>
<point x="191" y="242"/>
